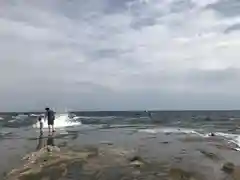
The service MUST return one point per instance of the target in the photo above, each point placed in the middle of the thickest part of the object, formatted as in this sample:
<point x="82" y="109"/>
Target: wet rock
<point x="178" y="159"/>
<point x="229" y="146"/>
<point x="106" y="142"/>
<point x="236" y="173"/>
<point x="183" y="151"/>
<point x="165" y="142"/>
<point x="151" y="137"/>
<point x="53" y="149"/>
<point x="94" y="151"/>
<point x="228" y="167"/>
<point x="49" y="162"/>
<point x="136" y="161"/>
<point x="179" y="174"/>
<point x="210" y="155"/>
<point x="135" y="158"/>
<point x="63" y="144"/>
<point x="45" y="178"/>
<point x="190" y="139"/>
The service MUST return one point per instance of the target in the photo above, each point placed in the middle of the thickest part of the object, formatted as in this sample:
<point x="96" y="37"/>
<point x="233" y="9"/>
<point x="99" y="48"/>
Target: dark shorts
<point x="50" y="121"/>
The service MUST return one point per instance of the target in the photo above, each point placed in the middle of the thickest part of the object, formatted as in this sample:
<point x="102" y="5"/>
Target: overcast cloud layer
<point x="119" y="54"/>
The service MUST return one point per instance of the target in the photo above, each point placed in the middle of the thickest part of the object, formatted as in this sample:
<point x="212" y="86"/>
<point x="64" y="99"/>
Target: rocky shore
<point x="140" y="156"/>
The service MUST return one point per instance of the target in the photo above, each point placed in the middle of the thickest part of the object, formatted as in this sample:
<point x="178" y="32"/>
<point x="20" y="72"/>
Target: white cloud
<point x="58" y="52"/>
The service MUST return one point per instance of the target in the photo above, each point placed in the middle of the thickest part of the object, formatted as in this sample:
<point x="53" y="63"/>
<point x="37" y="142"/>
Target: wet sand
<point x="95" y="152"/>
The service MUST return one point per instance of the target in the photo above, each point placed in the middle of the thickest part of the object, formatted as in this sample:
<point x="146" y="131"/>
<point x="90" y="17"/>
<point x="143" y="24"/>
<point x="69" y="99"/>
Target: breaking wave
<point x="61" y="120"/>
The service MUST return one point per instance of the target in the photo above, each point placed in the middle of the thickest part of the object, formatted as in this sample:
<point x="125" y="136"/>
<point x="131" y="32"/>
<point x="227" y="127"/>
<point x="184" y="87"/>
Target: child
<point x="40" y="119"/>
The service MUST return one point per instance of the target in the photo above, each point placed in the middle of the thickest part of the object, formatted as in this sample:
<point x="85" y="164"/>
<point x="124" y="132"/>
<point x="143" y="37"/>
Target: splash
<point x="62" y="120"/>
<point x="233" y="138"/>
<point x="171" y="130"/>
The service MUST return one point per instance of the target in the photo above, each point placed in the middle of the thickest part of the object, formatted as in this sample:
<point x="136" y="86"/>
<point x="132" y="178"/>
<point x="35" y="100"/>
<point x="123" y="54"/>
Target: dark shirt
<point x="50" y="115"/>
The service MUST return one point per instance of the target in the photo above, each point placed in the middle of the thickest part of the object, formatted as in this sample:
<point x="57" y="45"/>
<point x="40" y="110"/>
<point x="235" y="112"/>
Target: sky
<point x="119" y="54"/>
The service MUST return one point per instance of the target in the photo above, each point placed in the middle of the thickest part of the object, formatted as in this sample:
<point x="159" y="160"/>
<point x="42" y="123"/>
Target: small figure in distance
<point x="212" y="134"/>
<point x="50" y="116"/>
<point x="149" y="114"/>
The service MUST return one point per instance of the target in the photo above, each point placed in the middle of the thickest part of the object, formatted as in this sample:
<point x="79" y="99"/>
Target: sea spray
<point x="61" y="120"/>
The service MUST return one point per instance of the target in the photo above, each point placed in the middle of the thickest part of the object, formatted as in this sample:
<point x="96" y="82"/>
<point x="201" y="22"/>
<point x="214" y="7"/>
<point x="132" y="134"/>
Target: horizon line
<point x="151" y="110"/>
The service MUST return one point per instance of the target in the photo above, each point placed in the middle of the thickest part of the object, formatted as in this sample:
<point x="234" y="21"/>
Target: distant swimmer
<point x="212" y="134"/>
<point x="50" y="116"/>
<point x="149" y="114"/>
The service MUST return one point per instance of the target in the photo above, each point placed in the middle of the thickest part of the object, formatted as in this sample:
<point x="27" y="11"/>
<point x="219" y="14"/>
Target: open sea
<point x="209" y="121"/>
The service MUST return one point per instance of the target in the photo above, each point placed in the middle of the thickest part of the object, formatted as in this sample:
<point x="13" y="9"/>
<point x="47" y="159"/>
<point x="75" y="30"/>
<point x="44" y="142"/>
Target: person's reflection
<point x="50" y="140"/>
<point x="41" y="143"/>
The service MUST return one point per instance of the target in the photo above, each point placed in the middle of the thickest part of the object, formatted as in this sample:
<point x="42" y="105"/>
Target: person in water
<point x="149" y="114"/>
<point x="50" y="116"/>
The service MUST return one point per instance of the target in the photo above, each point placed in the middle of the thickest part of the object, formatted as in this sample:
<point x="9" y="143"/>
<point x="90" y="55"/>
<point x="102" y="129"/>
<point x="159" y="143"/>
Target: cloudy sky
<point x="119" y="54"/>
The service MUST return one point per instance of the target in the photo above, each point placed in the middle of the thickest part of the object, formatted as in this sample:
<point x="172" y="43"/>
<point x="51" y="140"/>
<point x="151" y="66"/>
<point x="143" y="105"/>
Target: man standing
<point x="50" y="116"/>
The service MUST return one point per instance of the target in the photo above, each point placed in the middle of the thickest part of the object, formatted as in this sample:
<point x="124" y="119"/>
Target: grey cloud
<point x="121" y="101"/>
<point x="215" y="76"/>
<point x="228" y="8"/>
<point x="100" y="55"/>
<point x="105" y="53"/>
<point x="143" y="22"/>
<point x="219" y="81"/>
<point x="181" y="5"/>
<point x="235" y="27"/>
<point x="143" y="17"/>
<point x="117" y="6"/>
<point x="79" y="9"/>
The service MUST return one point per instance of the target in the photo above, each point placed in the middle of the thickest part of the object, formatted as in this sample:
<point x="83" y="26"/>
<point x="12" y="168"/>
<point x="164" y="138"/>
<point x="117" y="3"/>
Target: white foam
<point x="13" y="120"/>
<point x="170" y="130"/>
<point x="34" y="115"/>
<point x="21" y="116"/>
<point x="61" y="121"/>
<point x="76" y="117"/>
<point x="233" y="138"/>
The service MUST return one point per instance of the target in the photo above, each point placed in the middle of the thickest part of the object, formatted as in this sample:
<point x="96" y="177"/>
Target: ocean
<point x="162" y="135"/>
<point x="205" y="120"/>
